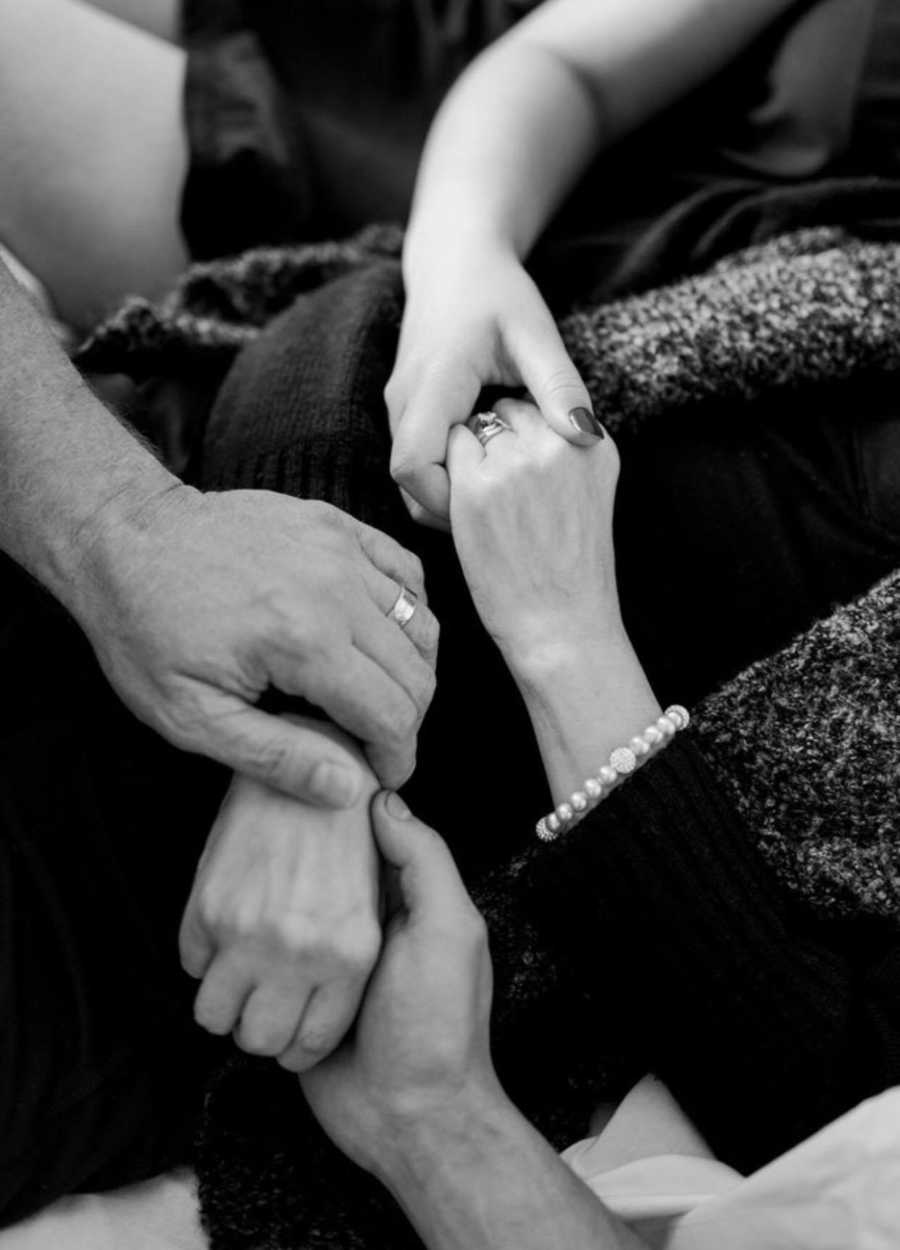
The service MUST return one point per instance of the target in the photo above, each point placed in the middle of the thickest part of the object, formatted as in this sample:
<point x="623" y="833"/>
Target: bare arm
<point x="508" y="144"/>
<point x="92" y="153"/>
<point x="572" y="78"/>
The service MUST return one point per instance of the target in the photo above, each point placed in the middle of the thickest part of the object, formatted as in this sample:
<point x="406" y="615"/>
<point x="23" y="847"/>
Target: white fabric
<point x="840" y="1190"/>
<point x="160" y="1214"/>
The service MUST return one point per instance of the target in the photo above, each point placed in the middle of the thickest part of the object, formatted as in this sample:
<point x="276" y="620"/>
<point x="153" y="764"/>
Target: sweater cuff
<point x="660" y="899"/>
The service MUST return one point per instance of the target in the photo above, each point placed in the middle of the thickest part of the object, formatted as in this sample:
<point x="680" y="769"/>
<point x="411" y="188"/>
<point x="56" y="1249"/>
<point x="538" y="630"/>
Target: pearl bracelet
<point x="622" y="762"/>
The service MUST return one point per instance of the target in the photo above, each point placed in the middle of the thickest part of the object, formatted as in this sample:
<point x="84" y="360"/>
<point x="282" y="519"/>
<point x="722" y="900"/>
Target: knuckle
<point x="316" y="1043"/>
<point x="405" y="465"/>
<point x="260" y="1040"/>
<point x="472" y="928"/>
<point x="562" y="380"/>
<point x="360" y="949"/>
<point x="403" y="721"/>
<point x="413" y="572"/>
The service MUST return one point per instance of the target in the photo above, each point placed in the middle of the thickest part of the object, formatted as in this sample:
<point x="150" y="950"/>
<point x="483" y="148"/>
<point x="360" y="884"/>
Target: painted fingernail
<point x="395" y="806"/>
<point x="585" y="422"/>
<point x="334" y="784"/>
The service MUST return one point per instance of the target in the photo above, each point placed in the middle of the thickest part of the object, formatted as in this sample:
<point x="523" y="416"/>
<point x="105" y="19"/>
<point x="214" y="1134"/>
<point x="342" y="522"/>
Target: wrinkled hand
<point x="282" y="922"/>
<point x="472" y="321"/>
<point x="421" y="1045"/>
<point x="532" y="525"/>
<point x="200" y="602"/>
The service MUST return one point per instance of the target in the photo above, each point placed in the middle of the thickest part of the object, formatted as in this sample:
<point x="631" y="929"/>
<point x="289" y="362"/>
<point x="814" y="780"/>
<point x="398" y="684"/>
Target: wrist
<point x="450" y="241"/>
<point x="455" y="1132"/>
<point x="112" y="530"/>
<point x="584" y="701"/>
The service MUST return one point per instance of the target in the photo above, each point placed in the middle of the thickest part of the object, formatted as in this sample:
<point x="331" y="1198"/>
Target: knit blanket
<point x="807" y="740"/>
<point x="810" y="307"/>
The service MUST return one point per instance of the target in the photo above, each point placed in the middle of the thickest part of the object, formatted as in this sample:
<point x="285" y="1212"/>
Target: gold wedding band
<point x="404" y="607"/>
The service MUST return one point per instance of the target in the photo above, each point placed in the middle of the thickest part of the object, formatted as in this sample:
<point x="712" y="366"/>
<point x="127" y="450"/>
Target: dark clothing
<point x="809" y="507"/>
<point x="101" y="826"/>
<point x="99" y="1077"/>
<point x="306" y="121"/>
<point x="734" y="530"/>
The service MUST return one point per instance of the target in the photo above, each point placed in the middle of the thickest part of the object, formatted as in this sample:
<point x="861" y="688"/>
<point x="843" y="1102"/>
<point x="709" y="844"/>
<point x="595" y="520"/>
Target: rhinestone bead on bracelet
<point x="622" y="762"/>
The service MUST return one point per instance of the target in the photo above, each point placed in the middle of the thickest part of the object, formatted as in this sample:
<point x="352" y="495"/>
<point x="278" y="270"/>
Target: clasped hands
<point x="284" y="923"/>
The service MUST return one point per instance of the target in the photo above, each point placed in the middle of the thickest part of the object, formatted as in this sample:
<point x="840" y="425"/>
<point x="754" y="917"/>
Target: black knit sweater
<point x="738" y="938"/>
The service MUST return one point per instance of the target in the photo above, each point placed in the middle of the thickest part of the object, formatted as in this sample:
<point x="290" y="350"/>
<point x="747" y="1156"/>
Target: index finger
<point x="443" y="398"/>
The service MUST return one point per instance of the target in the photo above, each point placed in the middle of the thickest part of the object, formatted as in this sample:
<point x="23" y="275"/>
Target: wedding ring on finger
<point x="487" y="425"/>
<point x="404" y="607"/>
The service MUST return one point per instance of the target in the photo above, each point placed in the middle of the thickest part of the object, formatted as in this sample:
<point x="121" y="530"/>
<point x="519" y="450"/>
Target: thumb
<point x="429" y="881"/>
<point x="554" y="382"/>
<point x="299" y="760"/>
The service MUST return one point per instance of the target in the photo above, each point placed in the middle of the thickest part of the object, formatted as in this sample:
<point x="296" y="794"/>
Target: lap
<point x="736" y="527"/>
<point x="100" y="828"/>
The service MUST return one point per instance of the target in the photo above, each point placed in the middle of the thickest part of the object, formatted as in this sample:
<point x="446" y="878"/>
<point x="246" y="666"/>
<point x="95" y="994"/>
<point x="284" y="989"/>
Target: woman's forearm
<point x="585" y="697"/>
<point x="523" y="122"/>
<point x="511" y="138"/>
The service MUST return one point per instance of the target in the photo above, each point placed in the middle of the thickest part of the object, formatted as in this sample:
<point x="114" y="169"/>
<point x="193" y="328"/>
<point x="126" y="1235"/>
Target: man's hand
<point x="413" y="1097"/>
<point x="421" y="1046"/>
<point x="196" y="604"/>
<point x="282" y="922"/>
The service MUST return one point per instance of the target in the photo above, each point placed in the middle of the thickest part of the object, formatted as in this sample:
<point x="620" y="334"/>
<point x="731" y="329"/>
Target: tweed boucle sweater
<point x="788" y="773"/>
<point x="810" y="307"/>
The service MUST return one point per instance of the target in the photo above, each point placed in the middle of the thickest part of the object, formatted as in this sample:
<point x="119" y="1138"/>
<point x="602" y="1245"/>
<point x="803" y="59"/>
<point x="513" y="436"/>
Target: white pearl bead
<point x="592" y="788"/>
<point x="652" y="736"/>
<point x="666" y="726"/>
<point x="623" y="761"/>
<point x="565" y="813"/>
<point x="552" y="822"/>
<point x="639" y="746"/>
<point x="579" y="801"/>
<point x="607" y="775"/>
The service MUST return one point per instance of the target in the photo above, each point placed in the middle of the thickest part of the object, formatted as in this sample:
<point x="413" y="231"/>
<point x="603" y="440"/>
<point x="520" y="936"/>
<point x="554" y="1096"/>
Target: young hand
<point x="282" y="925"/>
<point x="420" y="1051"/>
<point x="474" y="318"/>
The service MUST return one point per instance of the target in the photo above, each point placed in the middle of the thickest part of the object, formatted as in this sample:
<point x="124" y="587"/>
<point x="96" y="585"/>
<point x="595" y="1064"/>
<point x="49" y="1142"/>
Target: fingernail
<point x="334" y="784"/>
<point x="586" y="423"/>
<point x="395" y="806"/>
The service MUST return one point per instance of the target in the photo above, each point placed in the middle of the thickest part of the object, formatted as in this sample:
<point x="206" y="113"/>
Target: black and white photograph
<point x="449" y="624"/>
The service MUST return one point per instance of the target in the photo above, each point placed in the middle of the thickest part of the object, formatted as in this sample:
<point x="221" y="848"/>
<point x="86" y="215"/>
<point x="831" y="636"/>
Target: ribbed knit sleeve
<point x="762" y="1028"/>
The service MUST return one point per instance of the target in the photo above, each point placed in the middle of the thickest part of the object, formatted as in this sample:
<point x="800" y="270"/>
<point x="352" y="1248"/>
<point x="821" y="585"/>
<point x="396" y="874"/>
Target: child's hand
<point x="474" y="318"/>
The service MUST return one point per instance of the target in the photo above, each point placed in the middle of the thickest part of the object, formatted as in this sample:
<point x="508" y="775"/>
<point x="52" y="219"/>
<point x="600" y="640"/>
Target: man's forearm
<point x="485" y="1180"/>
<point x="64" y="459"/>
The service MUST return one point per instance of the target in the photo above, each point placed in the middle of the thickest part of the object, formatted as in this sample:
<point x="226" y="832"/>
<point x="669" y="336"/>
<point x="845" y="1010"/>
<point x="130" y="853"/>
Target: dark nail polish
<point x="586" y="423"/>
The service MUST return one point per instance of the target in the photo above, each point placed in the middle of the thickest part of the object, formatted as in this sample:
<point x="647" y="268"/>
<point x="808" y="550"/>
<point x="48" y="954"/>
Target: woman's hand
<point x="474" y="318"/>
<point x="282" y="923"/>
<point x="532" y="523"/>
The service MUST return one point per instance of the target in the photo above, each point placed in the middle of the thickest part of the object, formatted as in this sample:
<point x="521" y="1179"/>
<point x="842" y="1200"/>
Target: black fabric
<point x="733" y="533"/>
<point x="732" y="536"/>
<point x="765" y="1024"/>
<point x="307" y="120"/>
<point x="101" y="825"/>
